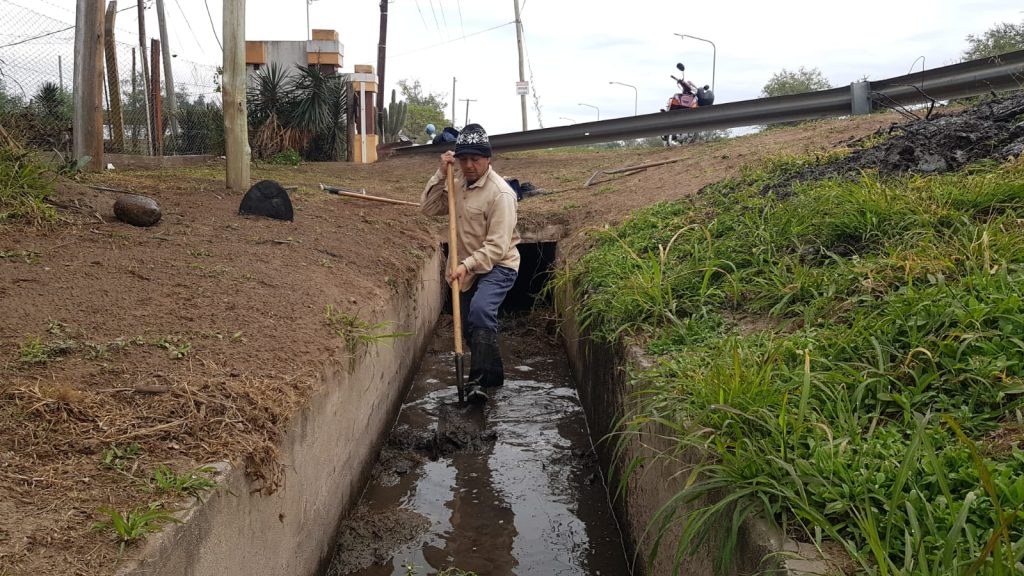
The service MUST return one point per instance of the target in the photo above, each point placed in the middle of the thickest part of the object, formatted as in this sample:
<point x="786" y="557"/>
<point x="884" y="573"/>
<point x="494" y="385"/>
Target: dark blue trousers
<point x="481" y="302"/>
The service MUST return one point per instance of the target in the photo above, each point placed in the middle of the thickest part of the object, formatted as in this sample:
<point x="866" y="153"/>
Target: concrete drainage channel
<point x="511" y="488"/>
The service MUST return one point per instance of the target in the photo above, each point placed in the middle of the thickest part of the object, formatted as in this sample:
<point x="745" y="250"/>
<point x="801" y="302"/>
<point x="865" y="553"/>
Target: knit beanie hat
<point x="473" y="140"/>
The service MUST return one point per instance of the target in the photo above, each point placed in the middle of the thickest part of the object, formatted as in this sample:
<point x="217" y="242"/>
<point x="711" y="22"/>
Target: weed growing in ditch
<point x="26" y="256"/>
<point x="35" y="350"/>
<point x="24" y="185"/>
<point x="132" y="525"/>
<point x="358" y="333"/>
<point x="119" y="457"/>
<point x="193" y="483"/>
<point x="176" y="346"/>
<point x="837" y="353"/>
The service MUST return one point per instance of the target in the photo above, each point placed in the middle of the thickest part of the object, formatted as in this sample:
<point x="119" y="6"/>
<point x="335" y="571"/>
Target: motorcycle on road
<point x="688" y="98"/>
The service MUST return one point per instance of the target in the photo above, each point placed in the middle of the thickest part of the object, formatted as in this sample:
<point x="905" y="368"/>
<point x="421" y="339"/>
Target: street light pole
<point x="569" y="119"/>
<point x="635" y="93"/>
<point x="594" y="107"/>
<point x="309" y="30"/>
<point x="714" y="55"/>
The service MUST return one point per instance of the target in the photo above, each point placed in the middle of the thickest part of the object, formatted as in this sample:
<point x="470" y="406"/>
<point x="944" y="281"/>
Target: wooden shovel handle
<point x="453" y="257"/>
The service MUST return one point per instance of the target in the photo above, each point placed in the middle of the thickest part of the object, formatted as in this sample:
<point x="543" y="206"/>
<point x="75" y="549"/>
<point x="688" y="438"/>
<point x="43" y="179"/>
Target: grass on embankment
<point x="848" y="351"/>
<point x="25" y="182"/>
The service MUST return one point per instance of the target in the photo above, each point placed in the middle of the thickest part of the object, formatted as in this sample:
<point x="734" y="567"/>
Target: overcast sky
<point x="575" y="48"/>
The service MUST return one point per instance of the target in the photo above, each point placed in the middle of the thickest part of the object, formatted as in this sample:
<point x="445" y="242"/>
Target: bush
<point x="287" y="158"/>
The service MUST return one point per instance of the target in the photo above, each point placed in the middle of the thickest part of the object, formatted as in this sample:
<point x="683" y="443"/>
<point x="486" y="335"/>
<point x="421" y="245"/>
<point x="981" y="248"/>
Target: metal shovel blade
<point x="459" y="375"/>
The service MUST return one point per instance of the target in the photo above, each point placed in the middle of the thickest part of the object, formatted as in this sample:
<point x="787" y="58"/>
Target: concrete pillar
<point x="363" y="117"/>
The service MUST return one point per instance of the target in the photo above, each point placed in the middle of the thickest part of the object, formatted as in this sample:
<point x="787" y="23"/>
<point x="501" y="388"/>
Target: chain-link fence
<point x="36" y="83"/>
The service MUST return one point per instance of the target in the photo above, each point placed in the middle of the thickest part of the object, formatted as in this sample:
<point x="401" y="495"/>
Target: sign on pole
<point x="522" y="88"/>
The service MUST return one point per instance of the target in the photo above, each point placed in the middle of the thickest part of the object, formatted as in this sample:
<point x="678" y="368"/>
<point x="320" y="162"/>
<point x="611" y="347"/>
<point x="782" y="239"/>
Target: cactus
<point x="391" y="119"/>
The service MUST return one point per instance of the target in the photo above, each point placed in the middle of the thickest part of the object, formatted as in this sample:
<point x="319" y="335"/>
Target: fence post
<point x="87" y="86"/>
<point x="144" y="67"/>
<point x="113" y="81"/>
<point x="158" y="118"/>
<point x="860" y="97"/>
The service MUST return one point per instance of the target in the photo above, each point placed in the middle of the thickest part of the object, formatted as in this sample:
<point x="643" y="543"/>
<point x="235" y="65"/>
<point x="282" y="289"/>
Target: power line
<point x="454" y="39"/>
<point x="434" y="12"/>
<point x="212" y="27"/>
<point x="529" y="66"/>
<point x="189" y="24"/>
<point x="422" y="19"/>
<point x="462" y="28"/>
<point x="444" y="18"/>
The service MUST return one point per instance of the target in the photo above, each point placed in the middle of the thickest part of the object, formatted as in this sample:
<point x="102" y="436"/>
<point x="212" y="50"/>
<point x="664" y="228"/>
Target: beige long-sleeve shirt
<point x="486" y="223"/>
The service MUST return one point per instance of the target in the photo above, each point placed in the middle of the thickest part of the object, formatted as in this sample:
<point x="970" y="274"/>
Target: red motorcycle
<point x="688" y="97"/>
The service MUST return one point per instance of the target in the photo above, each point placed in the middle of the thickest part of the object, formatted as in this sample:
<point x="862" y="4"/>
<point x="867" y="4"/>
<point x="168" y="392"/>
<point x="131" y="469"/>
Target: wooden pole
<point x="236" y="128"/>
<point x="87" y="121"/>
<point x="113" y="81"/>
<point x="382" y="41"/>
<point x="158" y="117"/>
<point x="453" y="257"/>
<point x="144" y="66"/>
<point x="172" y="103"/>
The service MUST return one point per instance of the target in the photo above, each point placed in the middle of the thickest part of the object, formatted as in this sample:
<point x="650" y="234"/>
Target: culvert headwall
<point x="327" y="454"/>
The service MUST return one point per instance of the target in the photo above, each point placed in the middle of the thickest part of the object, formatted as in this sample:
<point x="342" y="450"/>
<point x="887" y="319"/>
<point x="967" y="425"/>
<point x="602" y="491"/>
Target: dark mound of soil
<point x="992" y="130"/>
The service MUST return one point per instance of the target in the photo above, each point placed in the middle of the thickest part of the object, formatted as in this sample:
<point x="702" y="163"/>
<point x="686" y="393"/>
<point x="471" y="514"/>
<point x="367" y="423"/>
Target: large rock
<point x="137" y="210"/>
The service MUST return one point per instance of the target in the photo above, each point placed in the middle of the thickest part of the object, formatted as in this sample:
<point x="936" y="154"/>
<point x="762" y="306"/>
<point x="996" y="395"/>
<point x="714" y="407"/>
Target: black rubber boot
<point x="486" y="367"/>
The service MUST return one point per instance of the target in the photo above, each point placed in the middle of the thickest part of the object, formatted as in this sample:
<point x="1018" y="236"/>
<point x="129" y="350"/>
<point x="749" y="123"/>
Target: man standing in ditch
<point x="487" y="240"/>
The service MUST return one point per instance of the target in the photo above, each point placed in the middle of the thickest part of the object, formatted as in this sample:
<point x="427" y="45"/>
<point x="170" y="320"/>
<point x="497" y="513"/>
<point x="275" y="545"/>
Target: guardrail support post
<point x="860" y="97"/>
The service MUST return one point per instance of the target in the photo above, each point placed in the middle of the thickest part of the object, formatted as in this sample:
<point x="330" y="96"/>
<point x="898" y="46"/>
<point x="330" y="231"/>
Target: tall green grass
<point x="25" y="183"/>
<point x="842" y="349"/>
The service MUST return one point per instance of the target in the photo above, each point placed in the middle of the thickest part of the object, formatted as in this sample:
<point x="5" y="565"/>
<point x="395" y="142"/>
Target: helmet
<point x="431" y="129"/>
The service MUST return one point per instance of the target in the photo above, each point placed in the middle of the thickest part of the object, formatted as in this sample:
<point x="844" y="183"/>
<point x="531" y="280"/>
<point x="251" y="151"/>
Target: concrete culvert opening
<point x="510" y="487"/>
<point x="536" y="265"/>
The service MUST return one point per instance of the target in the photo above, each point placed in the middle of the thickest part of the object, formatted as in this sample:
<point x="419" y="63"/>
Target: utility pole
<point x="467" y="101"/>
<point x="522" y="70"/>
<point x="382" y="42"/>
<point x="165" y="44"/>
<point x="236" y="141"/>
<point x="144" y="69"/>
<point x="453" y="101"/>
<point x="87" y="122"/>
<point x="113" y="81"/>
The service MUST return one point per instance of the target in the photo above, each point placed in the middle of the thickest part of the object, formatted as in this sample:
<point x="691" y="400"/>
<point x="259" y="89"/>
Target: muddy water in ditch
<point x="512" y="487"/>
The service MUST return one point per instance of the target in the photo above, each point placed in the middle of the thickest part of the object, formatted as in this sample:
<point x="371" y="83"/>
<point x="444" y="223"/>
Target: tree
<point x="998" y="39"/>
<point x="423" y="109"/>
<point x="785" y="83"/>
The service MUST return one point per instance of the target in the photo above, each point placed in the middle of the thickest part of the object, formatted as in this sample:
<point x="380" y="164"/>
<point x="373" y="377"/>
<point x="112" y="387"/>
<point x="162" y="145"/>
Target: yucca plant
<point x="321" y="109"/>
<point x="271" y="95"/>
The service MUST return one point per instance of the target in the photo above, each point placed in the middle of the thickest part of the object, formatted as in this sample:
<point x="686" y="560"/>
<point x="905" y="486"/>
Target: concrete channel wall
<point x="600" y="371"/>
<point x="327" y="453"/>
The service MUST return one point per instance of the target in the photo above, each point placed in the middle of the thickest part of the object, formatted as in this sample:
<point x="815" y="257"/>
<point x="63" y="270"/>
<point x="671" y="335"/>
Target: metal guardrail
<point x="1004" y="72"/>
